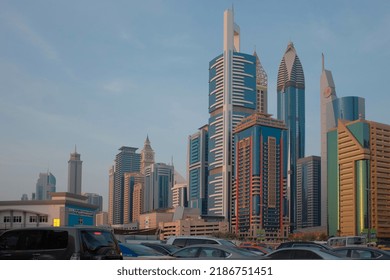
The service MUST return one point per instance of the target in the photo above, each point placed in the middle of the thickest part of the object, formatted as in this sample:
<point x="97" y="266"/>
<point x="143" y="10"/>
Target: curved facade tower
<point x="291" y="110"/>
<point x="232" y="97"/>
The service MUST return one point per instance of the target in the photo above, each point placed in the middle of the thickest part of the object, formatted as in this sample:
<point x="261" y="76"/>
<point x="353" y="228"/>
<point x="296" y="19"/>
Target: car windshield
<point x="138" y="250"/>
<point x="243" y="252"/>
<point x="93" y="240"/>
<point x="227" y="243"/>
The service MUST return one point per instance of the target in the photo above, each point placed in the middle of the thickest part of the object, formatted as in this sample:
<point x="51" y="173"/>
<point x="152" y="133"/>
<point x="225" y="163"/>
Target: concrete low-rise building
<point x="63" y="209"/>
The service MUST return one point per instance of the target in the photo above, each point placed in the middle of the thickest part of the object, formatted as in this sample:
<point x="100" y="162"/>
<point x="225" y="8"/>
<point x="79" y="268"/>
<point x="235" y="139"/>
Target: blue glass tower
<point x="259" y="178"/>
<point x="125" y="161"/>
<point x="232" y="97"/>
<point x="198" y="169"/>
<point x="291" y="110"/>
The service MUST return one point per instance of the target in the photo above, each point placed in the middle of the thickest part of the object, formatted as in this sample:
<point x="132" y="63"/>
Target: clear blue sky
<point x="104" y="74"/>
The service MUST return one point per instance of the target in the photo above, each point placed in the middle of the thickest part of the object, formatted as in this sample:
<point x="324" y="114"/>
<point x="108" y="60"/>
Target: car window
<point x="281" y="255"/>
<point x="305" y="255"/>
<point x="94" y="240"/>
<point x="212" y="253"/>
<point x="179" y="242"/>
<point x="187" y="253"/>
<point x="362" y="254"/>
<point x="343" y="252"/>
<point x="34" y="240"/>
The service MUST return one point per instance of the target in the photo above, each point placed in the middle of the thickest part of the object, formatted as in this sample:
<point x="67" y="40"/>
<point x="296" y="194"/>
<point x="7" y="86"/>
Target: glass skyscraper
<point x="259" y="178"/>
<point x="197" y="167"/>
<point x="125" y="161"/>
<point x="232" y="97"/>
<point x="291" y="110"/>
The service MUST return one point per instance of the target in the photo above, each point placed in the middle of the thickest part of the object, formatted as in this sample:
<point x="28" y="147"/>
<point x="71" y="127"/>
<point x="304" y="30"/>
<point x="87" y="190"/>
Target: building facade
<point x="258" y="195"/>
<point x="309" y="192"/>
<point x="95" y="199"/>
<point x="127" y="160"/>
<point x="232" y="97"/>
<point x="62" y="209"/>
<point x="46" y="184"/>
<point x="159" y="181"/>
<point x="291" y="110"/>
<point x="333" y="108"/>
<point x="197" y="169"/>
<point x="74" y="173"/>
<point x="131" y="179"/>
<point x="358" y="179"/>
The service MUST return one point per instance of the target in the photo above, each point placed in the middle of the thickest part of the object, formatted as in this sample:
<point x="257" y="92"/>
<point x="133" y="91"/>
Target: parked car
<point x="163" y="248"/>
<point x="59" y="243"/>
<point x="302" y="253"/>
<point x="362" y="253"/>
<point x="184" y="241"/>
<point x="295" y="244"/>
<point x="213" y="251"/>
<point x="131" y="251"/>
<point x="260" y="250"/>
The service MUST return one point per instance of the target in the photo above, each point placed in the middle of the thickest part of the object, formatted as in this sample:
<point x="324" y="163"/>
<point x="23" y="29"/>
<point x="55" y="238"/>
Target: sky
<point x="99" y="75"/>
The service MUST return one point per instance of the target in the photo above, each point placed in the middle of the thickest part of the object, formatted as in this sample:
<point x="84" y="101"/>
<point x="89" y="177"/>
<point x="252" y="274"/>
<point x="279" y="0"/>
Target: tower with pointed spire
<point x="291" y="110"/>
<point x="74" y="172"/>
<point x="232" y="97"/>
<point x="147" y="155"/>
<point x="261" y="87"/>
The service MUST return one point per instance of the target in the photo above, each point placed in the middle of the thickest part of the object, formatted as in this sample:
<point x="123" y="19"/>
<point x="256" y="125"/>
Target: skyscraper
<point x="359" y="178"/>
<point x="232" y="97"/>
<point x="291" y="110"/>
<point x="131" y="179"/>
<point x="159" y="180"/>
<point x="309" y="192"/>
<point x="259" y="177"/>
<point x="74" y="173"/>
<point x="46" y="184"/>
<point x="127" y="160"/>
<point x="332" y="109"/>
<point x="197" y="168"/>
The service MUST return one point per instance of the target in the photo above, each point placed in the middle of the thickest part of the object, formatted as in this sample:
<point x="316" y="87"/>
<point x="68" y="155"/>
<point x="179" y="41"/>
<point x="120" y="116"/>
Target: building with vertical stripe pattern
<point x="232" y="97"/>
<point x="258" y="195"/>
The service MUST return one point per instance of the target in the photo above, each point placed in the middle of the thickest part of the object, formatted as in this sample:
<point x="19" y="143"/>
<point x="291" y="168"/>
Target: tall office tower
<point x="147" y="155"/>
<point x="95" y="199"/>
<point x="138" y="198"/>
<point x="261" y="87"/>
<point x="332" y="109"/>
<point x="197" y="169"/>
<point x="127" y="160"/>
<point x="232" y="97"/>
<point x="291" y="110"/>
<point x="159" y="179"/>
<point x="130" y="180"/>
<point x="111" y="176"/>
<point x="309" y="192"/>
<point x="74" y="173"/>
<point x="327" y="95"/>
<point x="259" y="177"/>
<point x="46" y="184"/>
<point x="359" y="178"/>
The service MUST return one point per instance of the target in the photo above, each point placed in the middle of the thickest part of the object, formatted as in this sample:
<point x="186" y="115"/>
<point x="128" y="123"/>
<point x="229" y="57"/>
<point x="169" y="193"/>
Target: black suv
<point x="59" y="243"/>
